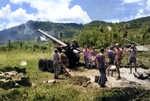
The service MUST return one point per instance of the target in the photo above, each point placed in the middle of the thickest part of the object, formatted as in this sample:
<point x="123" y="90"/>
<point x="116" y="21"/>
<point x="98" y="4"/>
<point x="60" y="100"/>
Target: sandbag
<point x="8" y="84"/>
<point x="2" y="76"/>
<point x="12" y="73"/>
<point x="1" y="83"/>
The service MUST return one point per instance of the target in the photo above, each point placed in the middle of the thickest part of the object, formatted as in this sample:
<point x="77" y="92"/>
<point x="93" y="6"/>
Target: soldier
<point x="133" y="51"/>
<point x="111" y="56"/>
<point x="86" y="54"/>
<point x="101" y="66"/>
<point x="73" y="44"/>
<point x="76" y="44"/>
<point x="118" y="58"/>
<point x="56" y="64"/>
<point x="63" y="59"/>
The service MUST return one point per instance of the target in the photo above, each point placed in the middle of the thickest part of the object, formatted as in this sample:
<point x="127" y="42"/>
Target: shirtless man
<point x="119" y="56"/>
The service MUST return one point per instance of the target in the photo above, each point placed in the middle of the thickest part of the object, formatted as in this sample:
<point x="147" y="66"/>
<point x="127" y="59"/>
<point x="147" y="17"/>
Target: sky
<point x="16" y="12"/>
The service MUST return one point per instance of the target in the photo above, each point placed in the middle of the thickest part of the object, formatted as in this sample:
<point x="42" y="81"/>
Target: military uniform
<point x="56" y="65"/>
<point x="63" y="60"/>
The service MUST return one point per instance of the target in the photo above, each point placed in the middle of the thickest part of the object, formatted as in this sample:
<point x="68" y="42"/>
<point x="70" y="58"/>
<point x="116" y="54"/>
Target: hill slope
<point x="28" y="31"/>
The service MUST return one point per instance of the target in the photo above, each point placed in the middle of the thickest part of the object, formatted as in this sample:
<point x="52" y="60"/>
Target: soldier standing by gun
<point x="56" y="64"/>
<point x="63" y="60"/>
<point x="76" y="44"/>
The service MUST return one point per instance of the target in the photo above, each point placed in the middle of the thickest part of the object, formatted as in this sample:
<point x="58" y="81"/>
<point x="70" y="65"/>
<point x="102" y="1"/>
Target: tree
<point x="145" y="32"/>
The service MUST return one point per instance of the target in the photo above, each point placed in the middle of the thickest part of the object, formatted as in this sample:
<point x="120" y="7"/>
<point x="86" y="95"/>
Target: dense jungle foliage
<point x="101" y="34"/>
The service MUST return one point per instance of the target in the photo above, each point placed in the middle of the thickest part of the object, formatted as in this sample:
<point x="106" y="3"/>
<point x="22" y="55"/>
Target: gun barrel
<point x="131" y="41"/>
<point x="52" y="38"/>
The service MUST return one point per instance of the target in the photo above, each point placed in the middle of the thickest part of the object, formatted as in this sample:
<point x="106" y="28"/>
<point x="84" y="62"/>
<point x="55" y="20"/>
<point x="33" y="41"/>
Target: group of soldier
<point x="59" y="60"/>
<point x="115" y="55"/>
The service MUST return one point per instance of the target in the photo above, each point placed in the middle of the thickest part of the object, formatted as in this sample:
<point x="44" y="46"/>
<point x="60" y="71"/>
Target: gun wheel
<point x="49" y="66"/>
<point x="42" y="64"/>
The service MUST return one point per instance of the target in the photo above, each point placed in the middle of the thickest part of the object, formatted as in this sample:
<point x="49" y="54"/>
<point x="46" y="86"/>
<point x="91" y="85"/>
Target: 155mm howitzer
<point x="73" y="54"/>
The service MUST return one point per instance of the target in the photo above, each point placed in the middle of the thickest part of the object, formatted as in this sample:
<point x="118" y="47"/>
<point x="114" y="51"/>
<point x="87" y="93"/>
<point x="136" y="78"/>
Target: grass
<point x="40" y="91"/>
<point x="60" y="91"/>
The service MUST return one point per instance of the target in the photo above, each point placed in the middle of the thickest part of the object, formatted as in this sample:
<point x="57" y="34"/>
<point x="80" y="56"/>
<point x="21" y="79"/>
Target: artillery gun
<point x="73" y="54"/>
<point x="139" y="47"/>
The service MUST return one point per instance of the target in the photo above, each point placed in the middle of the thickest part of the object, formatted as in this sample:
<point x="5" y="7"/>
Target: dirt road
<point x="127" y="80"/>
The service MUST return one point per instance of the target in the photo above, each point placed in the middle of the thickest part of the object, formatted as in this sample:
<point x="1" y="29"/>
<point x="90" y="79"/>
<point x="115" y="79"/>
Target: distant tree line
<point x="24" y="46"/>
<point x="101" y="36"/>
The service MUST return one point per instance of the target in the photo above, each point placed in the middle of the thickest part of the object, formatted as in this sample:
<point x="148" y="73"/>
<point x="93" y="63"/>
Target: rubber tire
<point x="49" y="66"/>
<point x="42" y="64"/>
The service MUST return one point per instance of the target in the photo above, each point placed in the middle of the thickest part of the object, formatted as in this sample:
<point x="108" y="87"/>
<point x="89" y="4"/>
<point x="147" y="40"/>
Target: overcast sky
<point x="16" y="12"/>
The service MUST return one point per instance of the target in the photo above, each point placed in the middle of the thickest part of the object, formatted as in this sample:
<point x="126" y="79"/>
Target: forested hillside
<point x="102" y="34"/>
<point x="28" y="31"/>
<point x="95" y="33"/>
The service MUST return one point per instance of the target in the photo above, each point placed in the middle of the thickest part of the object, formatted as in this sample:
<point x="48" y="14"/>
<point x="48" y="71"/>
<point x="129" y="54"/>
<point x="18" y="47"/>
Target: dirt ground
<point x="127" y="80"/>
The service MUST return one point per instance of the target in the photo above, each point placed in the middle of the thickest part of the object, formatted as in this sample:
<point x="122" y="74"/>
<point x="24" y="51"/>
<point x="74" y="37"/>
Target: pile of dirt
<point x="80" y="80"/>
<point x="11" y="77"/>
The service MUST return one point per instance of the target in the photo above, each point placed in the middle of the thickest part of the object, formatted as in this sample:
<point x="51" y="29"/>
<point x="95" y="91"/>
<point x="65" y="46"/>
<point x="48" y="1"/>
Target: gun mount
<point x="73" y="54"/>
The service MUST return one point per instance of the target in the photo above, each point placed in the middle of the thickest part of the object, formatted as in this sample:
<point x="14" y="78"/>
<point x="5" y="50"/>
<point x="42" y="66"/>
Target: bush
<point x="43" y="47"/>
<point x="36" y="46"/>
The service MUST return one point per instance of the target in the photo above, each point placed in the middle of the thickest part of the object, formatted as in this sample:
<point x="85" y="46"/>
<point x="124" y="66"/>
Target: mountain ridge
<point x="28" y="30"/>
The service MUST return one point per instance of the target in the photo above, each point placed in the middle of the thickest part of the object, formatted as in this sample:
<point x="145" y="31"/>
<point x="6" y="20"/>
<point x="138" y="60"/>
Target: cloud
<point x="12" y="24"/>
<point x="47" y="10"/>
<point x="116" y="21"/>
<point x="140" y="10"/>
<point x="2" y="26"/>
<point x="56" y="10"/>
<point x="122" y="9"/>
<point x="144" y="3"/>
<point x="132" y="1"/>
<point x="14" y="18"/>
<point x="113" y="20"/>
<point x="5" y="11"/>
<point x="20" y="16"/>
<point x="123" y="19"/>
<point x="147" y="5"/>
<point x="141" y="14"/>
<point x="141" y="3"/>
